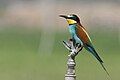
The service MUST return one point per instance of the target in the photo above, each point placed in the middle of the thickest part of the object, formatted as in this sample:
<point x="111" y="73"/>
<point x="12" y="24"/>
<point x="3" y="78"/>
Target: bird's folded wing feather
<point x="82" y="34"/>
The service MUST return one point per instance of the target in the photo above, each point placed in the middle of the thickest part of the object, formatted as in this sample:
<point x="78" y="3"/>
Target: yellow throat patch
<point x="71" y="21"/>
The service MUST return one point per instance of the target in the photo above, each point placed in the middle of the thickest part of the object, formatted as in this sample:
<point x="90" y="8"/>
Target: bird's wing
<point x="82" y="34"/>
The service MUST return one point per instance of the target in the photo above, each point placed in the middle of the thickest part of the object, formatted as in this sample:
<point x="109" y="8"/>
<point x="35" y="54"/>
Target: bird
<point x="80" y="36"/>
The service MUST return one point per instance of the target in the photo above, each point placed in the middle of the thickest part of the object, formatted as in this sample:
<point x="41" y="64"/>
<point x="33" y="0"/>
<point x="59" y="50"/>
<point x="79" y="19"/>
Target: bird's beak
<point x="64" y="16"/>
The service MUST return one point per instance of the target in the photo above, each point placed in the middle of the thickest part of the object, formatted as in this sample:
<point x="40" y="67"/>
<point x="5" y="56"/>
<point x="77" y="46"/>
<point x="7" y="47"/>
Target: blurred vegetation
<point x="20" y="60"/>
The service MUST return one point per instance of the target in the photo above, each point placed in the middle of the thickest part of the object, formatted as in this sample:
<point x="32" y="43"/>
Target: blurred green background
<point x="31" y="35"/>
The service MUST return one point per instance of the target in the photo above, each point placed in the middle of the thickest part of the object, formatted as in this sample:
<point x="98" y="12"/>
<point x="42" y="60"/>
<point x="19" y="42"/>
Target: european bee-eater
<point x="80" y="36"/>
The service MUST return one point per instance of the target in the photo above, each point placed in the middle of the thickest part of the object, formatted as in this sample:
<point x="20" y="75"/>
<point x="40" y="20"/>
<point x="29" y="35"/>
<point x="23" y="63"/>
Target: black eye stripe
<point x="74" y="18"/>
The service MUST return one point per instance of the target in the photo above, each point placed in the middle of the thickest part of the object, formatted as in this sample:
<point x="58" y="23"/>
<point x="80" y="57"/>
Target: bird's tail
<point x="92" y="50"/>
<point x="109" y="77"/>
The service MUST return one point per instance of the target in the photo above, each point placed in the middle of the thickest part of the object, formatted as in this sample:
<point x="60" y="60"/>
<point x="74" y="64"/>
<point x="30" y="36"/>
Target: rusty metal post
<point x="74" y="50"/>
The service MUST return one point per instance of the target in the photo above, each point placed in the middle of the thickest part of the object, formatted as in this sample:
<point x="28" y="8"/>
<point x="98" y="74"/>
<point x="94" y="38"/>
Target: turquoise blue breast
<point x="72" y="30"/>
